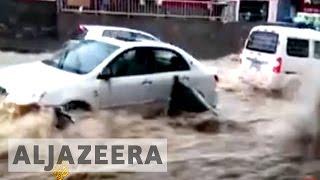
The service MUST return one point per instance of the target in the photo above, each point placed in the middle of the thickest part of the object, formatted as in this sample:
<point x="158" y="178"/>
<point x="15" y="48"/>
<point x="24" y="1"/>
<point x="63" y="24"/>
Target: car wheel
<point x="76" y="105"/>
<point x="62" y="119"/>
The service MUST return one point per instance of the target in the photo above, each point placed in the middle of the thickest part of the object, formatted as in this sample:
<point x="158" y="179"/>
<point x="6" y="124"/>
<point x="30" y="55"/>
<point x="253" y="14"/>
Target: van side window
<point x="317" y="49"/>
<point x="298" y="47"/>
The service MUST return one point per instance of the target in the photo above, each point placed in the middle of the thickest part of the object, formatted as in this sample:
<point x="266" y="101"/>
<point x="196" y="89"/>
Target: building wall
<point x="28" y="18"/>
<point x="273" y="10"/>
<point x="203" y="38"/>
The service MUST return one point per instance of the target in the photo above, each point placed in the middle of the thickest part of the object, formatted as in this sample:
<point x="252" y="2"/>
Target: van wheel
<point x="290" y="90"/>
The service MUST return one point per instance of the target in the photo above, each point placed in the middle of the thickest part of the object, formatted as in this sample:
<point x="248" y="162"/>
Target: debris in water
<point x="185" y="98"/>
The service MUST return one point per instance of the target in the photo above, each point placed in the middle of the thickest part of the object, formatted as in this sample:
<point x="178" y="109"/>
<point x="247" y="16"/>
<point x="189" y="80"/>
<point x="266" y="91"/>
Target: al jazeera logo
<point x="60" y="157"/>
<point x="60" y="171"/>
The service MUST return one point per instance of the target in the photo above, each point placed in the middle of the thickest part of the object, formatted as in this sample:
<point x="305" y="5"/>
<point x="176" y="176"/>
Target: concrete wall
<point x="202" y="38"/>
<point x="28" y="26"/>
<point x="28" y="18"/>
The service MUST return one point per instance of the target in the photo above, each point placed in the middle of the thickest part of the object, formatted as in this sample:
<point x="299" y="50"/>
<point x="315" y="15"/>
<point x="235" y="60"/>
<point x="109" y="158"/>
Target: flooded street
<point x="256" y="136"/>
<point x="11" y="58"/>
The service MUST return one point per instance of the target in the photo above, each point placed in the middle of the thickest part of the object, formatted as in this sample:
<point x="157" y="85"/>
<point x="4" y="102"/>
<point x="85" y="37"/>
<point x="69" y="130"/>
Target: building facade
<point x="274" y="10"/>
<point x="287" y="9"/>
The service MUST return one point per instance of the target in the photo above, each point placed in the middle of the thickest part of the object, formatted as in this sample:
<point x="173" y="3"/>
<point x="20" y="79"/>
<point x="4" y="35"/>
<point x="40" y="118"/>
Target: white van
<point x="275" y="55"/>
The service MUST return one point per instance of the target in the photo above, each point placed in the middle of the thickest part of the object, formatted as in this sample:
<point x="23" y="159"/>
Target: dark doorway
<point x="253" y="11"/>
<point x="27" y="18"/>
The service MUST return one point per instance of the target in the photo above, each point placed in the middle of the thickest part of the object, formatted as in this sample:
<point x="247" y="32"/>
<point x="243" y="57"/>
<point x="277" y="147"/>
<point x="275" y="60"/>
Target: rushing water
<point x="258" y="137"/>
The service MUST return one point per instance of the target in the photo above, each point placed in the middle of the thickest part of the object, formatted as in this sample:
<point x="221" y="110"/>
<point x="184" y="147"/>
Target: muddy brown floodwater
<point x="258" y="136"/>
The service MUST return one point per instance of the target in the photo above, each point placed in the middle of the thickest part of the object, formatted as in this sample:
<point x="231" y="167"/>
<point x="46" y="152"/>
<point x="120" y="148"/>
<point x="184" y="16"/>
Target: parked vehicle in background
<point x="275" y="55"/>
<point x="121" y="33"/>
<point x="105" y="73"/>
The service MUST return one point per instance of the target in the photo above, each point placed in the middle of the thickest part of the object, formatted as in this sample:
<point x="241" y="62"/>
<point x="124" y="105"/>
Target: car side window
<point x="317" y="49"/>
<point x="117" y="34"/>
<point x="129" y="63"/>
<point x="168" y="61"/>
<point x="298" y="47"/>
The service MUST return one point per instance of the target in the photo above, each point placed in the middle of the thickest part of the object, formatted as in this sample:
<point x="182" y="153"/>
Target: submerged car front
<point x="63" y="78"/>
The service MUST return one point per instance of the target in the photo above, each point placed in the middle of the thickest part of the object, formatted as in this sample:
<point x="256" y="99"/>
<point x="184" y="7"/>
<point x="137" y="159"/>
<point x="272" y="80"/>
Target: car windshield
<point x="81" y="57"/>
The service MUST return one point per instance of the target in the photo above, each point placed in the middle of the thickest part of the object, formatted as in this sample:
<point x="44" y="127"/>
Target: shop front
<point x="310" y="6"/>
<point x="287" y="9"/>
<point x="257" y="10"/>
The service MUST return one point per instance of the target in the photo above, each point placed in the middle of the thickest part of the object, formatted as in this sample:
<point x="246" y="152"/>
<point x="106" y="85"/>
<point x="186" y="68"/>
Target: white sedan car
<point x="105" y="73"/>
<point x="121" y="33"/>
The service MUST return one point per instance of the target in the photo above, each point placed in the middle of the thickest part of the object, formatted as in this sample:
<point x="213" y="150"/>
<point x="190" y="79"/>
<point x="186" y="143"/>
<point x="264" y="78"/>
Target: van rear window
<point x="263" y="42"/>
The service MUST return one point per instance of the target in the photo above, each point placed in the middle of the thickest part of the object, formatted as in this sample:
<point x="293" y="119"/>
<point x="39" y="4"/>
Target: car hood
<point x="34" y="77"/>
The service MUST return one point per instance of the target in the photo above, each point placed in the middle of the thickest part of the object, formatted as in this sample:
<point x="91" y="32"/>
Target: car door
<point x="129" y="80"/>
<point x="165" y="65"/>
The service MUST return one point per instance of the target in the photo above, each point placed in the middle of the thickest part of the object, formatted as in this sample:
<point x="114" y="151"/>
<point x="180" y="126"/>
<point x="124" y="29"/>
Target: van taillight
<point x="277" y="68"/>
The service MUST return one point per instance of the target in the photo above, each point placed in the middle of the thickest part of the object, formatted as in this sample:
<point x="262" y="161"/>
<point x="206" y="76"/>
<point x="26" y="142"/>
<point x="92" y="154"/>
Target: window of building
<point x="253" y="11"/>
<point x="315" y="2"/>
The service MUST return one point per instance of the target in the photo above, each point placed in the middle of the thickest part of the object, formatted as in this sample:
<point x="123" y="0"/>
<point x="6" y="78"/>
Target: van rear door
<point x="260" y="53"/>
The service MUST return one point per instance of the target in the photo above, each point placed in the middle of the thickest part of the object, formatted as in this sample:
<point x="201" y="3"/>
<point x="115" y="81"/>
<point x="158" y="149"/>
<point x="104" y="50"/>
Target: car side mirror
<point x="106" y="74"/>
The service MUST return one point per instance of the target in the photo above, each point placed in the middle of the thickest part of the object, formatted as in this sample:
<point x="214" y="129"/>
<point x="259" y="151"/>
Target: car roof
<point x="131" y="44"/>
<point x="289" y="31"/>
<point x="116" y="28"/>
